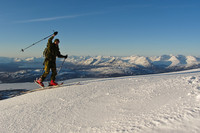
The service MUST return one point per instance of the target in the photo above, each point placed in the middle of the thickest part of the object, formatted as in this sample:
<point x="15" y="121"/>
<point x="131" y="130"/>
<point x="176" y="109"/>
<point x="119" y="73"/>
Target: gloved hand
<point x="65" y="56"/>
<point x="55" y="33"/>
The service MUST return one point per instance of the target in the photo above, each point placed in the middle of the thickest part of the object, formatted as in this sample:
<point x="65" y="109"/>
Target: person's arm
<point x="61" y="56"/>
<point x="51" y="38"/>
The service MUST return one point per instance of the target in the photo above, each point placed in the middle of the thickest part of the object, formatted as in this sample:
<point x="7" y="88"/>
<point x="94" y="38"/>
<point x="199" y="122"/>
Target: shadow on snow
<point x="5" y="94"/>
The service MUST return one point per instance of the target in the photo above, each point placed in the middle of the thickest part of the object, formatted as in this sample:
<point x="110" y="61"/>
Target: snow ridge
<point x="167" y="61"/>
<point x="164" y="60"/>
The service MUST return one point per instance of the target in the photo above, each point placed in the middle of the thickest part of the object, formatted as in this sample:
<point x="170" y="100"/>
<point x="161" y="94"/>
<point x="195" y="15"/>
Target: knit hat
<point x="56" y="40"/>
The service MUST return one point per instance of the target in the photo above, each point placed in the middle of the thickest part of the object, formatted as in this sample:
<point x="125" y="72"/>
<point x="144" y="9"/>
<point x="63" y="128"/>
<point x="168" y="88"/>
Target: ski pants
<point x="49" y="65"/>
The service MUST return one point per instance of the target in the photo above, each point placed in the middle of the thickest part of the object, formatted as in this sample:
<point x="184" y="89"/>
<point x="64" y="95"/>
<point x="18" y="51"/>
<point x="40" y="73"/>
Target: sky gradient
<point x="101" y="27"/>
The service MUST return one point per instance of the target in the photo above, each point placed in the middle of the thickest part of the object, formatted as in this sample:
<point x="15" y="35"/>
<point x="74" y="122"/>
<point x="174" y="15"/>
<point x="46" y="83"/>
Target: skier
<point x="50" y="53"/>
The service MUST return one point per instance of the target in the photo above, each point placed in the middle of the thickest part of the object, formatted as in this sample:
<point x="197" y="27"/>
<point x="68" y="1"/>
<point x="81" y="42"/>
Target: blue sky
<point x="101" y="27"/>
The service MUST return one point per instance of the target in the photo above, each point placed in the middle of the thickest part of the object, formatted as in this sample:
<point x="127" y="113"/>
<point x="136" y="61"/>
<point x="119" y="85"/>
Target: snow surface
<point x="153" y="103"/>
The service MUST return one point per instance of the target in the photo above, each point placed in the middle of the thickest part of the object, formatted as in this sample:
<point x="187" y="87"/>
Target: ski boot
<point x="53" y="83"/>
<point x="39" y="81"/>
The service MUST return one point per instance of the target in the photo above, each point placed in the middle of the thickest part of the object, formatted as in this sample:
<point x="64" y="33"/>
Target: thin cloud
<point x="178" y="6"/>
<point x="56" y="18"/>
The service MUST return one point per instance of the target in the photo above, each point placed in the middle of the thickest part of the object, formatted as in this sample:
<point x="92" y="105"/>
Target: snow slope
<point x="153" y="103"/>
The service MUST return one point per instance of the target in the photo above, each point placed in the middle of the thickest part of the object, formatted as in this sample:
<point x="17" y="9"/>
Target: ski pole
<point x="61" y="65"/>
<point x="55" y="33"/>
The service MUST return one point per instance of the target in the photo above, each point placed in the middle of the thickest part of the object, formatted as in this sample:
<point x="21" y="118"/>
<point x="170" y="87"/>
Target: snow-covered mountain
<point x="166" y="61"/>
<point x="159" y="103"/>
<point x="95" y="66"/>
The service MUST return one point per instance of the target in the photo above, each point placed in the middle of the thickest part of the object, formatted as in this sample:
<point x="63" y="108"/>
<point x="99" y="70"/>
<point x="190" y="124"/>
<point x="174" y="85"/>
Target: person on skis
<point x="51" y="52"/>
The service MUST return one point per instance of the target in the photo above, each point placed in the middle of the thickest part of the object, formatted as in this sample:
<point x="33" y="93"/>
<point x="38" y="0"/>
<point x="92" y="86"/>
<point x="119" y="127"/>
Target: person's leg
<point x="53" y="75"/>
<point x="54" y="72"/>
<point x="46" y="70"/>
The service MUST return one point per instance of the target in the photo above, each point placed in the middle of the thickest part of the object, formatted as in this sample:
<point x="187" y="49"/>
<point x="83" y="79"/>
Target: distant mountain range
<point x="27" y="69"/>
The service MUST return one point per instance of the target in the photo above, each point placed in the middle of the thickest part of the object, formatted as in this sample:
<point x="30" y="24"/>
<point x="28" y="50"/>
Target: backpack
<point x="45" y="52"/>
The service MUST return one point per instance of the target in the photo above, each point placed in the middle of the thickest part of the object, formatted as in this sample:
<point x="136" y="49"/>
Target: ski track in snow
<point x="151" y="103"/>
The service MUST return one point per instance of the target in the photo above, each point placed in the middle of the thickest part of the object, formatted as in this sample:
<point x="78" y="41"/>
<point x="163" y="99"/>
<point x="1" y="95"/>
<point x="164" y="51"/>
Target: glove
<point x="65" y="56"/>
<point x="55" y="33"/>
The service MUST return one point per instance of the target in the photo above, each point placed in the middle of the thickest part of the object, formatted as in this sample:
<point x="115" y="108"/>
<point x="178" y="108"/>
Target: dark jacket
<point x="52" y="51"/>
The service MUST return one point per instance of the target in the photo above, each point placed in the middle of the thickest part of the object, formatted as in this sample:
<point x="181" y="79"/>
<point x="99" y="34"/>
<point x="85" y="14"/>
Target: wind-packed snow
<point x="155" y="103"/>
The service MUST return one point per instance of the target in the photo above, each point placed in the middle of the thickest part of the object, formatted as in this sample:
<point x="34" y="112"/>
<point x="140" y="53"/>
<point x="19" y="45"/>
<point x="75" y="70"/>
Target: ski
<point x="54" y="86"/>
<point x="38" y="83"/>
<point x="50" y="87"/>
